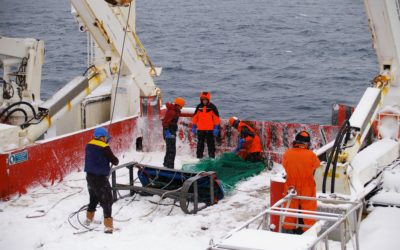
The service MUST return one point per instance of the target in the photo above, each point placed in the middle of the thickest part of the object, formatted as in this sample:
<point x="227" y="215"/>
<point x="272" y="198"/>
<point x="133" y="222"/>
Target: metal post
<point x="211" y="189"/>
<point x="266" y="223"/>
<point x="196" y="197"/>
<point x="114" y="185"/>
<point x="282" y="218"/>
<point x="357" y="227"/>
<point x="342" y="232"/>
<point x="326" y="243"/>
<point x="131" y="180"/>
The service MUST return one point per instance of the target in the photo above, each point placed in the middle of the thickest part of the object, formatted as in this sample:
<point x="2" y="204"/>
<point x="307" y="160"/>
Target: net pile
<point x="229" y="167"/>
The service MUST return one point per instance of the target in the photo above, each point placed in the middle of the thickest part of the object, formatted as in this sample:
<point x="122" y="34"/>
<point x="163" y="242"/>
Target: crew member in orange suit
<point x="249" y="145"/>
<point x="300" y="163"/>
<point x="205" y="125"/>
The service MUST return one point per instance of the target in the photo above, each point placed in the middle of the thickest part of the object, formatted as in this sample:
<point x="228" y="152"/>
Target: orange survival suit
<point x="249" y="147"/>
<point x="300" y="163"/>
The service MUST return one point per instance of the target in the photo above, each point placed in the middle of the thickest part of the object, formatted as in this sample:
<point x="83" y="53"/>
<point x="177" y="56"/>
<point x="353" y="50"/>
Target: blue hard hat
<point x="99" y="132"/>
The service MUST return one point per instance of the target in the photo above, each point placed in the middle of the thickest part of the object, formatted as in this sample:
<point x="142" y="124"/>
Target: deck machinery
<point x="354" y="167"/>
<point x="359" y="169"/>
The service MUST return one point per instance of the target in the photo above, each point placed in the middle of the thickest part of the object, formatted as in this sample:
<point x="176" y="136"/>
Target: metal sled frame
<point x="188" y="193"/>
<point x="327" y="221"/>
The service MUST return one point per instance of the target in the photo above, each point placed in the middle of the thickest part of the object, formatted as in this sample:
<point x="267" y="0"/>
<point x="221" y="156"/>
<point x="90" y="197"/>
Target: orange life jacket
<point x="252" y="142"/>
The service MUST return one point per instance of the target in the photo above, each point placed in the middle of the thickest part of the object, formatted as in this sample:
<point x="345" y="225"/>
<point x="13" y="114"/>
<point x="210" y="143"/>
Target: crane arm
<point x="107" y="24"/>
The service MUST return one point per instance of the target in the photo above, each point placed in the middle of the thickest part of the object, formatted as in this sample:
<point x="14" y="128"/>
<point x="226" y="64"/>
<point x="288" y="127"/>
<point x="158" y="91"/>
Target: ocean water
<point x="283" y="60"/>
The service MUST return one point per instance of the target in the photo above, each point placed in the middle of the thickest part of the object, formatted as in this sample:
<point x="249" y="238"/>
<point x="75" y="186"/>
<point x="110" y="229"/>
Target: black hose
<point x="19" y="103"/>
<point x="334" y="156"/>
<point x="16" y="110"/>
<point x="344" y="129"/>
<point x="330" y="160"/>
<point x="91" y="66"/>
<point x="333" y="179"/>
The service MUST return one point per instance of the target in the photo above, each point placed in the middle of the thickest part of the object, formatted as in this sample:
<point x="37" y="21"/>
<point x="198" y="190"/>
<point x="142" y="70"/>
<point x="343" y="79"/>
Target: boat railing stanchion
<point x="326" y="242"/>
<point x="196" y="197"/>
<point x="114" y="184"/>
<point x="342" y="231"/>
<point x="131" y="179"/>
<point x="212" y="189"/>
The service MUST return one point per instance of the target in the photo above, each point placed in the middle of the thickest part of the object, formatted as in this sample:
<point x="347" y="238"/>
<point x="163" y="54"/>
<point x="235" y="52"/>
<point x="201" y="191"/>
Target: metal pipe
<point x="304" y="211"/>
<point x="36" y="130"/>
<point x="305" y="216"/>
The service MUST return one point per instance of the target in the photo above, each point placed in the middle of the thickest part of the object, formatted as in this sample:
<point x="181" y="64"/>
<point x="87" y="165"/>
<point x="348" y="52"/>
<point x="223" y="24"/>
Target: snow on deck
<point x="140" y="228"/>
<point x="380" y="230"/>
<point x="143" y="224"/>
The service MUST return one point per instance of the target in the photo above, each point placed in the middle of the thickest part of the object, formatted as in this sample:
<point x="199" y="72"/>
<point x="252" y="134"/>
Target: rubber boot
<point x="108" y="225"/>
<point x="288" y="231"/>
<point x="89" y="218"/>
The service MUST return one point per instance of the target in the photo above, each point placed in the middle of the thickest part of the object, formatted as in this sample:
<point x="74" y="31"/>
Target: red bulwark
<point x="49" y="161"/>
<point x="275" y="137"/>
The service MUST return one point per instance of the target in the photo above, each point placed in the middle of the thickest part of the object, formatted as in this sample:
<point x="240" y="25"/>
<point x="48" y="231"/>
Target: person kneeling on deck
<point x="98" y="156"/>
<point x="300" y="163"/>
<point x="249" y="145"/>
<point x="170" y="126"/>
<point x="205" y="125"/>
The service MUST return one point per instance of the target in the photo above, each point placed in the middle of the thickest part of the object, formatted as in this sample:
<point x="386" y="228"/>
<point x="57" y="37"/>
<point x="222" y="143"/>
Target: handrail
<point x="337" y="218"/>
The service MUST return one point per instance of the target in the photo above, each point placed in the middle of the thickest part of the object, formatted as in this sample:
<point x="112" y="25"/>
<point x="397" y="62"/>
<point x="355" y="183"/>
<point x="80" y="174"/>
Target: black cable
<point x="333" y="156"/>
<point x="28" y="123"/>
<point x="344" y="129"/>
<point x="19" y="103"/>
<point x="75" y="213"/>
<point x="330" y="159"/>
<point x="91" y="66"/>
<point x="16" y="110"/>
<point x="333" y="179"/>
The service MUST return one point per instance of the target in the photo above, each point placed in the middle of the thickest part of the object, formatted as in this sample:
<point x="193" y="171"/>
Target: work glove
<point x="241" y="142"/>
<point x="216" y="130"/>
<point x="168" y="134"/>
<point x="194" y="129"/>
<point x="239" y="146"/>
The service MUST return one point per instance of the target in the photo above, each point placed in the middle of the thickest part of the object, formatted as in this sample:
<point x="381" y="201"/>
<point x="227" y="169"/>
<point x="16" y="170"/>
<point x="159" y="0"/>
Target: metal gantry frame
<point x="328" y="221"/>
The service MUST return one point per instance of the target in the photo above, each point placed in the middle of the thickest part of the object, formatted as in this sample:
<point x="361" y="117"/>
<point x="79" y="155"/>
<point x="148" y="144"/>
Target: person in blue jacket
<point x="98" y="156"/>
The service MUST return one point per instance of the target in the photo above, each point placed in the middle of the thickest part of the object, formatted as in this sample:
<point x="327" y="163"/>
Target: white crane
<point x="117" y="60"/>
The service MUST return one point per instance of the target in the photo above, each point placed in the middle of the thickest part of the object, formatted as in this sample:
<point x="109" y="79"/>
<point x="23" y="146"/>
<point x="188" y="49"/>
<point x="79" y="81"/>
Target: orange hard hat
<point x="180" y="101"/>
<point x="205" y="95"/>
<point x="232" y="119"/>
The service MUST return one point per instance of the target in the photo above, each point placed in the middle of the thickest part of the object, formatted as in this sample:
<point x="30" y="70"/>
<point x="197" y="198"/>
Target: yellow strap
<point x="98" y="143"/>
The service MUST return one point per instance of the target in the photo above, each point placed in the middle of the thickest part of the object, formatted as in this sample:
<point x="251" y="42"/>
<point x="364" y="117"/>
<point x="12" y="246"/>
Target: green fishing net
<point x="229" y="167"/>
